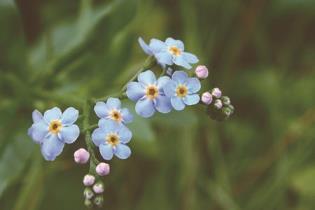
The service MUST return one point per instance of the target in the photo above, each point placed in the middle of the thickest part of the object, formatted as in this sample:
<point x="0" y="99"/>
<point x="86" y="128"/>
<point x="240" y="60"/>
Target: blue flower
<point x="182" y="90"/>
<point x="169" y="52"/>
<point x="149" y="94"/>
<point x="111" y="138"/>
<point x="53" y="130"/>
<point x="112" y="110"/>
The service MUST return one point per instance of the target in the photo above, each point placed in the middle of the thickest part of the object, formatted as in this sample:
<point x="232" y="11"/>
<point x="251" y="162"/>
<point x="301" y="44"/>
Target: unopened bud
<point x="102" y="169"/>
<point x="202" y="72"/>
<point x="98" y="201"/>
<point x="216" y="92"/>
<point x="226" y="100"/>
<point x="88" y="180"/>
<point x="88" y="193"/>
<point x="218" y="104"/>
<point x="88" y="203"/>
<point x="98" y="188"/>
<point x="81" y="156"/>
<point x="206" y="98"/>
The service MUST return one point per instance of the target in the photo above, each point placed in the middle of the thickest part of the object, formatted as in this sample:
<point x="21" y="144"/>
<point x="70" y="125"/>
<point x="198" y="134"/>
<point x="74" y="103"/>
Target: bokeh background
<point x="261" y="53"/>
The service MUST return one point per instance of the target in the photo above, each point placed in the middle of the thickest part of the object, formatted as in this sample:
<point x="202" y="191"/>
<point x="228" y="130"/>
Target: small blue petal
<point x="98" y="136"/>
<point x="172" y="42"/>
<point x="157" y="45"/>
<point x="180" y="76"/>
<point x="52" y="114"/>
<point x="147" y="77"/>
<point x="127" y="116"/>
<point x="180" y="61"/>
<point x="106" y="151"/>
<point x="37" y="116"/>
<point x="113" y="103"/>
<point x="191" y="99"/>
<point x="162" y="81"/>
<point x="193" y="85"/>
<point x="169" y="88"/>
<point x="122" y="151"/>
<point x="39" y="131"/>
<point x="124" y="134"/>
<point x="108" y="125"/>
<point x="177" y="103"/>
<point x="163" y="104"/>
<point x="51" y="147"/>
<point x="145" y="108"/>
<point x="69" y="134"/>
<point x="190" y="58"/>
<point x="164" y="58"/>
<point x="144" y="46"/>
<point x="101" y="109"/>
<point x="69" y="116"/>
<point x="135" y="91"/>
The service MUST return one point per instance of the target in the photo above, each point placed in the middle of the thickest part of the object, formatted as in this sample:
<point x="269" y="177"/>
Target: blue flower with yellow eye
<point x="149" y="94"/>
<point x="112" y="138"/>
<point x="53" y="129"/>
<point x="182" y="90"/>
<point x="169" y="52"/>
<point x="112" y="110"/>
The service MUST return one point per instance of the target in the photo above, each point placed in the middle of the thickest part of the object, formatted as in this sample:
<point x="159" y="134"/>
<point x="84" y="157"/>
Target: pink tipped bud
<point x="81" y="156"/>
<point x="88" y="180"/>
<point x="216" y="92"/>
<point x="206" y="98"/>
<point x="202" y="72"/>
<point x="102" y="169"/>
<point x="98" y="188"/>
<point x="218" y="104"/>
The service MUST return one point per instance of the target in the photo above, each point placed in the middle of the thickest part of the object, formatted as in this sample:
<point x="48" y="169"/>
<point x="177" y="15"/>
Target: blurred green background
<point x="261" y="53"/>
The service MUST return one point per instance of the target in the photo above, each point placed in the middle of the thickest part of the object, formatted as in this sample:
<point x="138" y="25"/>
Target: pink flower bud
<point x="206" y="98"/>
<point x="102" y="169"/>
<point x="81" y="156"/>
<point x="218" y="104"/>
<point x="216" y="92"/>
<point x="88" y="180"/>
<point x="202" y="72"/>
<point x="98" y="188"/>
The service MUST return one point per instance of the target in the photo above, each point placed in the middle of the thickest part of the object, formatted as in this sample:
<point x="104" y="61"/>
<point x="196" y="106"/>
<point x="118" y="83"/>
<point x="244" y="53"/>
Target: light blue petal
<point x="177" y="103"/>
<point x="108" y="125"/>
<point x="122" y="151"/>
<point x="190" y="58"/>
<point x="135" y="91"/>
<point x="37" y="116"/>
<point x="101" y="109"/>
<point x="169" y="88"/>
<point x="145" y="108"/>
<point x="113" y="103"/>
<point x="69" y="116"/>
<point x="164" y="58"/>
<point x="51" y="147"/>
<point x="162" y="81"/>
<point x="147" y="78"/>
<point x="193" y="85"/>
<point x="39" y="131"/>
<point x="157" y="46"/>
<point x="163" y="104"/>
<point x="69" y="134"/>
<point x="191" y="99"/>
<point x="180" y="61"/>
<point x="173" y="42"/>
<point x="106" y="151"/>
<point x="180" y="77"/>
<point x="98" y="136"/>
<point x="124" y="134"/>
<point x="144" y="46"/>
<point x="126" y="115"/>
<point x="52" y="114"/>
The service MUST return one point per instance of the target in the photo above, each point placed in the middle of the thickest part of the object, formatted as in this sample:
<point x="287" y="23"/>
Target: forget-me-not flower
<point x="149" y="94"/>
<point x="169" y="52"/>
<point x="111" y="138"/>
<point x="53" y="130"/>
<point x="112" y="110"/>
<point x="182" y="90"/>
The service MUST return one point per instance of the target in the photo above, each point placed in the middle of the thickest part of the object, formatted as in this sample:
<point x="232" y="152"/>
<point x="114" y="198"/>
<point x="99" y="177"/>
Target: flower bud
<point x="202" y="72"/>
<point x="102" y="169"/>
<point x="98" y="201"/>
<point x="88" y="193"/>
<point x="226" y="100"/>
<point x="98" y="188"/>
<point x="216" y="92"/>
<point x="227" y="111"/>
<point x="206" y="98"/>
<point x="88" y="203"/>
<point x="218" y="104"/>
<point x="88" y="180"/>
<point x="81" y="156"/>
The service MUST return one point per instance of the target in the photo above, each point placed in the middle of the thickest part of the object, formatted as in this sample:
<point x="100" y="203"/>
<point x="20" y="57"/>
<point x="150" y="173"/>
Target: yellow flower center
<point x="115" y="115"/>
<point x="112" y="139"/>
<point x="175" y="50"/>
<point x="181" y="91"/>
<point x="55" y="126"/>
<point x="152" y="92"/>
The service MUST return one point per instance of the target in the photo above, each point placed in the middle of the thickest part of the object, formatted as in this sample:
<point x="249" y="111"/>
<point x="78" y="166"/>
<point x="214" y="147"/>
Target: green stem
<point x="91" y="127"/>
